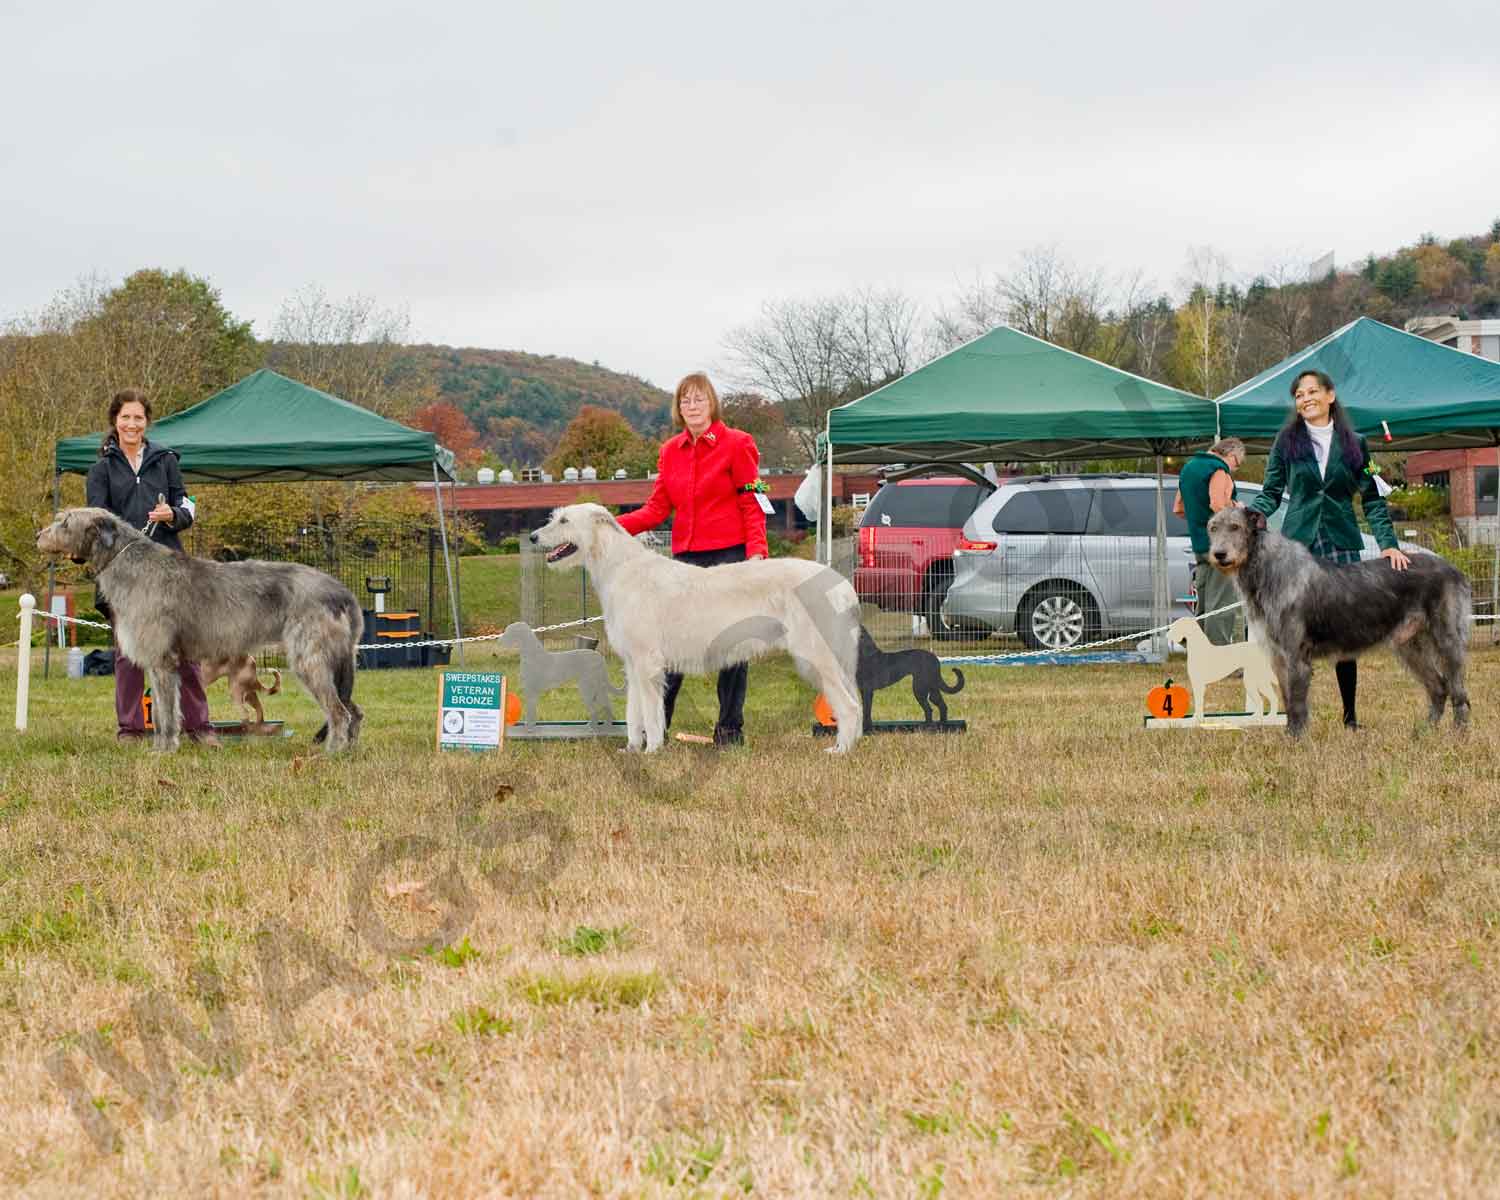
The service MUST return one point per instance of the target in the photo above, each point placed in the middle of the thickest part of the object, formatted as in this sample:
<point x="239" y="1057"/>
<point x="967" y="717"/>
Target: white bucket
<point x="75" y="663"/>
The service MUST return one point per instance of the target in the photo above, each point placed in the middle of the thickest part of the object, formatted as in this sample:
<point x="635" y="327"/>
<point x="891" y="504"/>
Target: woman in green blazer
<point x="1320" y="463"/>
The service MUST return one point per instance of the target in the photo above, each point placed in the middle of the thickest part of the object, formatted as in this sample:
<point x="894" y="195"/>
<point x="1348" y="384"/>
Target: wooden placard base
<point x="957" y="726"/>
<point x="1233" y="720"/>
<point x="250" y="729"/>
<point x="554" y="730"/>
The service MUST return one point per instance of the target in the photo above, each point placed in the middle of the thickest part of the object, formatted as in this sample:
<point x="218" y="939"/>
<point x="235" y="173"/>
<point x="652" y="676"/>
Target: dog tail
<point x="957" y="687"/>
<point x="275" y="688"/>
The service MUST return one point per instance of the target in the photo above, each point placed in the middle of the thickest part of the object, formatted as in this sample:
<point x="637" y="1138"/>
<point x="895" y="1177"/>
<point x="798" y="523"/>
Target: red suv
<point x="906" y="542"/>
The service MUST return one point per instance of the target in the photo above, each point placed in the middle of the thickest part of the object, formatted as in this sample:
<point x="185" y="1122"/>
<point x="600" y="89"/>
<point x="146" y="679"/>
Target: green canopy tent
<point x="1009" y="396"/>
<point x="1431" y="396"/>
<point x="1420" y="394"/>
<point x="1012" y="397"/>
<point x="268" y="428"/>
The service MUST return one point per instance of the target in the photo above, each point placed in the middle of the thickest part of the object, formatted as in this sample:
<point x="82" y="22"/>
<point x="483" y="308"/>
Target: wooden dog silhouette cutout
<point x="1208" y="663"/>
<point x="543" y="669"/>
<point x="881" y="668"/>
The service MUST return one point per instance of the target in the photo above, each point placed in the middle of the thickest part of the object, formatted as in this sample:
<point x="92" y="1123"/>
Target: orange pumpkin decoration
<point x="512" y="708"/>
<point x="1168" y="701"/>
<point x="823" y="712"/>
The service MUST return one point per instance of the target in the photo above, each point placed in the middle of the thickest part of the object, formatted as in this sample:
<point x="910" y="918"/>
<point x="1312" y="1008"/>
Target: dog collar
<point x="121" y="550"/>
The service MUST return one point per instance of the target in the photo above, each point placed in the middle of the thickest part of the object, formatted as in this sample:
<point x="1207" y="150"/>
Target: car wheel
<point x="1057" y="616"/>
<point x="940" y="627"/>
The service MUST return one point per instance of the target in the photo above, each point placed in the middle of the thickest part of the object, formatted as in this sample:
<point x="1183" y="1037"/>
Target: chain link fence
<point x="403" y="558"/>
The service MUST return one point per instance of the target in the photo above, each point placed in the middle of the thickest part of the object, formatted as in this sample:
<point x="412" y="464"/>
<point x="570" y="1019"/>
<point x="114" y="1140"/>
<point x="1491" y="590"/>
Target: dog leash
<point x="150" y="525"/>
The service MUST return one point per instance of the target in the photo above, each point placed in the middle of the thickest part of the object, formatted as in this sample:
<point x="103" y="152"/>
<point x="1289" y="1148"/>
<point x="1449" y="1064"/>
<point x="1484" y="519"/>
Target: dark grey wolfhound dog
<point x="169" y="607"/>
<point x="1303" y="608"/>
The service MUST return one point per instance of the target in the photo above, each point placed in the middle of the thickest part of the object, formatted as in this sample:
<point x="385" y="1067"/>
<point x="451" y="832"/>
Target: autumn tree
<point x="601" y="438"/>
<point x="515" y="440"/>
<point x="1049" y="297"/>
<point x="447" y="423"/>
<point x="351" y="348"/>
<point x="1211" y="326"/>
<point x="168" y="333"/>
<point x="765" y="421"/>
<point x="1439" y="274"/>
<point x="1281" y="306"/>
<point x="811" y="355"/>
<point x="1150" y="323"/>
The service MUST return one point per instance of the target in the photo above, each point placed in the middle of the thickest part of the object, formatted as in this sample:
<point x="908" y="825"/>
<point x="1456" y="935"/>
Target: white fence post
<point x="23" y="662"/>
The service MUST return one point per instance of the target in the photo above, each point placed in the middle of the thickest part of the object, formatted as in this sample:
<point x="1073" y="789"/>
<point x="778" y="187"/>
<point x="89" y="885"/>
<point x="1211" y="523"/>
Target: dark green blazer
<point x="1325" y="502"/>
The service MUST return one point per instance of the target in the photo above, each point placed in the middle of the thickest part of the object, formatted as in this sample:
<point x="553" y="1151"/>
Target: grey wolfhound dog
<point x="663" y="615"/>
<point x="1303" y="609"/>
<point x="169" y="608"/>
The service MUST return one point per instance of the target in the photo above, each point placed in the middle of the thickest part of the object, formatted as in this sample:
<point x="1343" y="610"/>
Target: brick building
<point x="1469" y="475"/>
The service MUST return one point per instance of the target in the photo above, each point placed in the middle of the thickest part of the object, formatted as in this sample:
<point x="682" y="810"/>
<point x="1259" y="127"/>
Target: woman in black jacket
<point x="140" y="483"/>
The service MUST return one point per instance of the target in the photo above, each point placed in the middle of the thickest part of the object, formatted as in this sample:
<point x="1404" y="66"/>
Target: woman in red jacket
<point x="707" y="480"/>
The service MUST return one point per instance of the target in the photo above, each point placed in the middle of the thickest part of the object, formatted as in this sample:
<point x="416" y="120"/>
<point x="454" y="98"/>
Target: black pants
<point x="732" y="680"/>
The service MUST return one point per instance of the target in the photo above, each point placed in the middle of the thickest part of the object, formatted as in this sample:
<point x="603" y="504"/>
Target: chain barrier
<point x="1024" y="654"/>
<point x="1018" y="656"/>
<point x="482" y="637"/>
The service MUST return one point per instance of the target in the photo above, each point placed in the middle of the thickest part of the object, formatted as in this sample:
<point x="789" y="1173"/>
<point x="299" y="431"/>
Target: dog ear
<point x="104" y="534"/>
<point x="1257" y="520"/>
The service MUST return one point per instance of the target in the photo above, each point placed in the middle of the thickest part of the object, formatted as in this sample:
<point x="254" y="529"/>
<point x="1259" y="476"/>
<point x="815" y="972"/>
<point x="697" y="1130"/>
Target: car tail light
<point x="966" y="546"/>
<point x="867" y="546"/>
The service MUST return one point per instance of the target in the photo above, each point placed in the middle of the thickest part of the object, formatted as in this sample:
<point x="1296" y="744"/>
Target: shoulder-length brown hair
<point x="120" y="400"/>
<point x="696" y="382"/>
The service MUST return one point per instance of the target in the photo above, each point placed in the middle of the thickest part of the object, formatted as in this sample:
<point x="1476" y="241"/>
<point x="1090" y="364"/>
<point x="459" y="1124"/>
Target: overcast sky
<point x="629" y="182"/>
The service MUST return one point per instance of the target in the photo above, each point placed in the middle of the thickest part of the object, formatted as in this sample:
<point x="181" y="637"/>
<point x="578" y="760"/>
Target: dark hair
<point x="1295" y="443"/>
<point x="121" y="399"/>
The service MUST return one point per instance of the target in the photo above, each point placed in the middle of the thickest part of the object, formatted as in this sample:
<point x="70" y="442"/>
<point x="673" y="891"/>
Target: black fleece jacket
<point x="113" y="485"/>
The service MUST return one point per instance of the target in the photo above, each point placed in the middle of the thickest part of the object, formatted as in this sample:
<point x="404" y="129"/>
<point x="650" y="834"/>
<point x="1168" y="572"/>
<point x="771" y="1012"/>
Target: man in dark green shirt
<point x="1204" y="485"/>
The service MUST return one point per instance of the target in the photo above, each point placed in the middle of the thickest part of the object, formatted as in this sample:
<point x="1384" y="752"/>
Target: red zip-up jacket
<point x="700" y="482"/>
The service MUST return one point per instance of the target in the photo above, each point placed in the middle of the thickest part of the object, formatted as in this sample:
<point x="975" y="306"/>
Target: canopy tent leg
<point x="437" y="485"/>
<point x="1159" y="581"/>
<point x="825" y="501"/>
<point x="51" y="579"/>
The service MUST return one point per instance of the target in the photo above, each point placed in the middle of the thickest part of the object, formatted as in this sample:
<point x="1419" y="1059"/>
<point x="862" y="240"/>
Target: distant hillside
<point x="521" y="403"/>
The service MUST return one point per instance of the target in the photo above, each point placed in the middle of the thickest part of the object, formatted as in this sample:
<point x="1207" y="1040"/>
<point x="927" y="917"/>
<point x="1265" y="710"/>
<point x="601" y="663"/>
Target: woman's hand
<point x="162" y="514"/>
<point x="1396" y="558"/>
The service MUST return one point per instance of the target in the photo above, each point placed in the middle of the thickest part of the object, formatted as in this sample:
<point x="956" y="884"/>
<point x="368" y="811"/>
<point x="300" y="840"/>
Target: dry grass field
<point x="1054" y="956"/>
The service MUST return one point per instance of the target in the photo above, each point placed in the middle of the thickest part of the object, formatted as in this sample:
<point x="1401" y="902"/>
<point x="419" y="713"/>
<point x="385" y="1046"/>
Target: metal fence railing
<point x="408" y="559"/>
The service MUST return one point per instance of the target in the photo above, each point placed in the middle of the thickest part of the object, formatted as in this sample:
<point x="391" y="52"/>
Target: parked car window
<point x="929" y="505"/>
<point x="1044" y="510"/>
<point x="1131" y="512"/>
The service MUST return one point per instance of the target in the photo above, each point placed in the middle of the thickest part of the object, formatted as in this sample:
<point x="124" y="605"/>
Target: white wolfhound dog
<point x="663" y="615"/>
